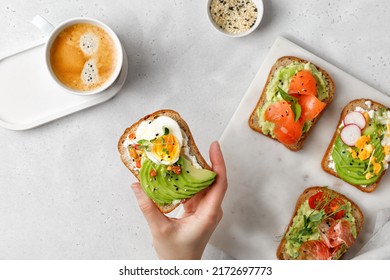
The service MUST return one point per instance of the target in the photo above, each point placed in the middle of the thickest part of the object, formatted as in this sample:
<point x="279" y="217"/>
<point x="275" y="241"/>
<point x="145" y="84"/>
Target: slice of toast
<point x="327" y="159"/>
<point x="355" y="210"/>
<point x="193" y="149"/>
<point x="283" y="62"/>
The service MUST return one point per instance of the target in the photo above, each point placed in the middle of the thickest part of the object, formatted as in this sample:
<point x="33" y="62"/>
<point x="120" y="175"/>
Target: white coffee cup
<point x="88" y="75"/>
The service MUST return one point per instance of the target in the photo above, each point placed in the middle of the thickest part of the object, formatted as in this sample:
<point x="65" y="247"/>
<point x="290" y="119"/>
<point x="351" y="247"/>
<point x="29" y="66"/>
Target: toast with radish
<point x="325" y="224"/>
<point x="294" y="97"/>
<point x="359" y="152"/>
<point x="161" y="153"/>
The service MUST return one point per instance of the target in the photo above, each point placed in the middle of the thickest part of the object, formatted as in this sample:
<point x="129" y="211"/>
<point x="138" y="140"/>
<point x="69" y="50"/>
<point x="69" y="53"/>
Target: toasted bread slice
<point x="193" y="149"/>
<point x="355" y="210"/>
<point x="327" y="159"/>
<point x="283" y="62"/>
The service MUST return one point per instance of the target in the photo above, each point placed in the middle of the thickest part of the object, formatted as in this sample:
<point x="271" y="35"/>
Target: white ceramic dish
<point x="29" y="97"/>
<point x="260" y="12"/>
<point x="265" y="178"/>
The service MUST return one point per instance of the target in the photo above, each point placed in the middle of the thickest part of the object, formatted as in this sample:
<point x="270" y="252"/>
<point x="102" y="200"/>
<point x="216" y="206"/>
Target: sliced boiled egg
<point x="165" y="149"/>
<point x="164" y="139"/>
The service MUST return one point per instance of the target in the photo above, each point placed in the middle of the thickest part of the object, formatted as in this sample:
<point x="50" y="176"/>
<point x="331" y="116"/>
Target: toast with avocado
<point x="325" y="224"/>
<point x="161" y="153"/>
<point x="359" y="152"/>
<point x="294" y="97"/>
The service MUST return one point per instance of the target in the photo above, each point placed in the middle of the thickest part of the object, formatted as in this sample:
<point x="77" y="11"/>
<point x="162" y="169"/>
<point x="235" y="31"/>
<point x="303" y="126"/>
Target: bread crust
<point x="193" y="149"/>
<point x="282" y="62"/>
<point x="326" y="159"/>
<point x="307" y="193"/>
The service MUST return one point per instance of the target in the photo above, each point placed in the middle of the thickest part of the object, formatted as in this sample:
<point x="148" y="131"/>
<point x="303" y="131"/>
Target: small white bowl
<point x="260" y="12"/>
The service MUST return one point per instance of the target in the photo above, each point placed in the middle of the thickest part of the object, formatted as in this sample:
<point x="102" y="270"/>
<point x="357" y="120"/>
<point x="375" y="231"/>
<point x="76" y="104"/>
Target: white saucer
<point x="29" y="97"/>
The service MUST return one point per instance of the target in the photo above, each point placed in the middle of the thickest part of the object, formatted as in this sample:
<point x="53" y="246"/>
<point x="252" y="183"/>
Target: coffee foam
<point x="90" y="75"/>
<point x="89" y="43"/>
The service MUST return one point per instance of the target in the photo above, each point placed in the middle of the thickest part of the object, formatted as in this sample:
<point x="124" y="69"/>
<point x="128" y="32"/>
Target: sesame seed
<point x="233" y="16"/>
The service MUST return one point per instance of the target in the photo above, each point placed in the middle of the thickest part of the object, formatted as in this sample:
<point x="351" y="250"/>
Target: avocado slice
<point x="166" y="186"/>
<point x="353" y="170"/>
<point x="370" y="128"/>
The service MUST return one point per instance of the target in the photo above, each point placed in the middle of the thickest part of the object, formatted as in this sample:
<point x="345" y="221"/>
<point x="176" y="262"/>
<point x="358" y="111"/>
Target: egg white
<point x="151" y="129"/>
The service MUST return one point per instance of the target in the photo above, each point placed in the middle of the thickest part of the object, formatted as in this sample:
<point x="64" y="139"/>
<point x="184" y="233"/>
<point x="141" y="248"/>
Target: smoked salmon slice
<point x="287" y="131"/>
<point x="303" y="83"/>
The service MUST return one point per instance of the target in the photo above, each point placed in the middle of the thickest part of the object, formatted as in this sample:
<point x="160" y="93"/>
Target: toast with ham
<point x="324" y="225"/>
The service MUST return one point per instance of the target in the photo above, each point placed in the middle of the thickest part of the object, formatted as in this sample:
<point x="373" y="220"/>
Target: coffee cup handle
<point x="45" y="26"/>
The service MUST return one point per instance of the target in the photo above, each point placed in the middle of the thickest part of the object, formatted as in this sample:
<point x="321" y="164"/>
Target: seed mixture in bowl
<point x="233" y="16"/>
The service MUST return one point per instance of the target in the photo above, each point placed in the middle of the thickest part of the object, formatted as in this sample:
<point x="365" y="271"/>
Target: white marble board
<point x="265" y="178"/>
<point x="28" y="101"/>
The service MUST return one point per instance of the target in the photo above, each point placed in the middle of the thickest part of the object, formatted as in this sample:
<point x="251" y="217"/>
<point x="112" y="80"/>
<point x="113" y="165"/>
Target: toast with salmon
<point x="160" y="151"/>
<point x="294" y="97"/>
<point x="325" y="224"/>
<point x="359" y="152"/>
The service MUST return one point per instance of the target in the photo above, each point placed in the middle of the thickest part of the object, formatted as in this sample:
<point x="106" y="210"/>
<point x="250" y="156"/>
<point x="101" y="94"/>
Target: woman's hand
<point x="187" y="237"/>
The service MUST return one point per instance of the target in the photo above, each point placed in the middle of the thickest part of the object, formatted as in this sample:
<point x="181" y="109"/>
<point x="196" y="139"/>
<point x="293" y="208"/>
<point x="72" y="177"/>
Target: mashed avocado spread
<point x="281" y="78"/>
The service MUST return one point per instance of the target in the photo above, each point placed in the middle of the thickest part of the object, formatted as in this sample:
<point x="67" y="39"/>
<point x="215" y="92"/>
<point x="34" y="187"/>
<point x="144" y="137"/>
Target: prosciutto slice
<point x="314" y="250"/>
<point x="334" y="233"/>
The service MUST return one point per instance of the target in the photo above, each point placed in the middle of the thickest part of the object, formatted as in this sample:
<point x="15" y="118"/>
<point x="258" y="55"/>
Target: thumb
<point x="150" y="211"/>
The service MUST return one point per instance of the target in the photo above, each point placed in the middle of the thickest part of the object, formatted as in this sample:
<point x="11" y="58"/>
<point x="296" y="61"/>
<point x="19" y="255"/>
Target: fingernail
<point x="135" y="188"/>
<point x="216" y="143"/>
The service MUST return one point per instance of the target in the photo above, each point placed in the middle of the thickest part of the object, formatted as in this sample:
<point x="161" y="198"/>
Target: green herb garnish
<point x="144" y="144"/>
<point x="295" y="106"/>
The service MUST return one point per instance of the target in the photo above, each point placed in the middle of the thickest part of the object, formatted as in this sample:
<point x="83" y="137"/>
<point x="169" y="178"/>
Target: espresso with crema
<point x="83" y="56"/>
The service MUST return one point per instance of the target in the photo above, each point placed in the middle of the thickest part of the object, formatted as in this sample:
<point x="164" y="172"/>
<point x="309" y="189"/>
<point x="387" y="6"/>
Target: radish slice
<point x="350" y="134"/>
<point x="355" y="118"/>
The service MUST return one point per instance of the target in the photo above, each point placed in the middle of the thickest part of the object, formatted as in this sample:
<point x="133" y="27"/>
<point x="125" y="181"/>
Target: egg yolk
<point x="166" y="148"/>
<point x="362" y="141"/>
<point x="386" y="150"/>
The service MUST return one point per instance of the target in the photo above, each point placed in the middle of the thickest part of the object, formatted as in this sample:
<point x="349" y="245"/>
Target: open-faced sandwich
<point x="294" y="96"/>
<point x="160" y="151"/>
<point x="324" y="225"/>
<point x="360" y="149"/>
